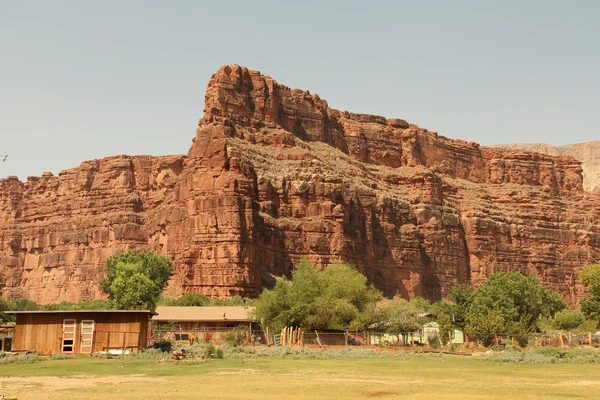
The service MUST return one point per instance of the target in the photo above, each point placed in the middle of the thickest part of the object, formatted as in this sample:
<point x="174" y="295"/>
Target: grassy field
<point x="414" y="377"/>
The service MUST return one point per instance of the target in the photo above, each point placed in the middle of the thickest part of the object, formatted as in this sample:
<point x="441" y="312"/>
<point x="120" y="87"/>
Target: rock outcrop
<point x="588" y="153"/>
<point x="274" y="175"/>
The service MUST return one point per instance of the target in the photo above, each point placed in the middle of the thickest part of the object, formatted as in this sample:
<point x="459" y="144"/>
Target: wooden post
<point x="267" y="338"/>
<point x="512" y="340"/>
<point x="346" y="338"/>
<point x="302" y="339"/>
<point x="562" y="343"/>
<point x="318" y="340"/>
<point x="590" y="338"/>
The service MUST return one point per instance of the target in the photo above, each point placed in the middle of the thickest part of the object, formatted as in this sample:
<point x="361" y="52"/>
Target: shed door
<point x="68" y="335"/>
<point x="87" y="336"/>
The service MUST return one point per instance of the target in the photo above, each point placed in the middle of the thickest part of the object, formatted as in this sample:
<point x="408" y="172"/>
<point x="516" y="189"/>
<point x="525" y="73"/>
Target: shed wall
<point x="43" y="332"/>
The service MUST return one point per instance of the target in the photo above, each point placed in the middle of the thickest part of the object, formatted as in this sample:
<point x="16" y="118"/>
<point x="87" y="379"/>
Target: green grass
<point x="413" y="376"/>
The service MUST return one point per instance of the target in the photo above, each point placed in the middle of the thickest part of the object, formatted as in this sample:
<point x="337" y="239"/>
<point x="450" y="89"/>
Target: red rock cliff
<point x="273" y="175"/>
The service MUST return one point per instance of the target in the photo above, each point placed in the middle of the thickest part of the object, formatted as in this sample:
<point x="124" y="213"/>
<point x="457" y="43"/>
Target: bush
<point x="235" y="336"/>
<point x="21" y="359"/>
<point x="209" y="351"/>
<point x="543" y="355"/>
<point x="60" y="356"/>
<point x="163" y="345"/>
<point x="151" y="354"/>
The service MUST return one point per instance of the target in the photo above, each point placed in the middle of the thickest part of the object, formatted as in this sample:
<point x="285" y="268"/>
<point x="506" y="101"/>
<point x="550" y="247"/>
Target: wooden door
<point x="87" y="336"/>
<point x="68" y="335"/>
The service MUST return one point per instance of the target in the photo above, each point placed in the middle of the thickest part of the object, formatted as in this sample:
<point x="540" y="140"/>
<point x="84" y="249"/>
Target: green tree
<point x="136" y="280"/>
<point x="16" y="305"/>
<point x="568" y="320"/>
<point x="187" y="300"/>
<point x="337" y="297"/>
<point x="510" y="303"/>
<point x="453" y="308"/>
<point x="399" y="317"/>
<point x="590" y="304"/>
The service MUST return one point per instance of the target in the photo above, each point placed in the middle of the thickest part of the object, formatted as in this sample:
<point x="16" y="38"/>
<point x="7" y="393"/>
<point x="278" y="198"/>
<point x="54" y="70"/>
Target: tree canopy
<point x="337" y="297"/>
<point x="590" y="304"/>
<point x="399" y="316"/>
<point x="136" y="280"/>
<point x="510" y="303"/>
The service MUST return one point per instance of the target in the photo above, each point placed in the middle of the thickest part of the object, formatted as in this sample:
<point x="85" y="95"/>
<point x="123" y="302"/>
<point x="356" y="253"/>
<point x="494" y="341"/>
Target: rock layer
<point x="588" y="153"/>
<point x="274" y="175"/>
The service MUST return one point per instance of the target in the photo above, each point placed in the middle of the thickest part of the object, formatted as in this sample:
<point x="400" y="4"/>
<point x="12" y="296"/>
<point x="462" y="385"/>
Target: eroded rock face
<point x="587" y="153"/>
<point x="274" y="175"/>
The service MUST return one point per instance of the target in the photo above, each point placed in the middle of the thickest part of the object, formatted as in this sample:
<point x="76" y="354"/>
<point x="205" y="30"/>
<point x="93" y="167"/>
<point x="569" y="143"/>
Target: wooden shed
<point x="81" y="332"/>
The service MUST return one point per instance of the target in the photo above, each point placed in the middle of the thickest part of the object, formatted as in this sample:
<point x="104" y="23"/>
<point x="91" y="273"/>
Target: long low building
<point x="82" y="331"/>
<point x="200" y="323"/>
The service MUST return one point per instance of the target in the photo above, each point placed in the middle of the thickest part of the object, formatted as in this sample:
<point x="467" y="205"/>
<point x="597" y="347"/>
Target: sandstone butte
<point x="274" y="175"/>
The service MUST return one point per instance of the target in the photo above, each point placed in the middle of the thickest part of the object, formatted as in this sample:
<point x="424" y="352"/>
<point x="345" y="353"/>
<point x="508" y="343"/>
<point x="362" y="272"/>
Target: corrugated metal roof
<point x="165" y="313"/>
<point x="80" y="311"/>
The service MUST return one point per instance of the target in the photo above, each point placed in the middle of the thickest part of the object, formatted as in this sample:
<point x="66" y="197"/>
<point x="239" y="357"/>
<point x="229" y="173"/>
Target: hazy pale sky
<point x="89" y="79"/>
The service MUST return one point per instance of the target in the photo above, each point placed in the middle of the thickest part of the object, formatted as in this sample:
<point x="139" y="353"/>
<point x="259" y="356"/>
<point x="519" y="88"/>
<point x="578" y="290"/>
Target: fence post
<point x="562" y="343"/>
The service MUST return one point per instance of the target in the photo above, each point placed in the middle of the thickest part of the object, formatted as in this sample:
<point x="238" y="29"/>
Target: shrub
<point x="151" y="354"/>
<point x="59" y="356"/>
<point x="21" y="359"/>
<point x="163" y="345"/>
<point x="209" y="350"/>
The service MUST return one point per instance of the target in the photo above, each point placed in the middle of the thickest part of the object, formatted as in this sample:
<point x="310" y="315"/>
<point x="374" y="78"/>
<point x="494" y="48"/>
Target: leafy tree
<point x="335" y="298"/>
<point x="187" y="300"/>
<point x="136" y="280"/>
<point x="568" y="320"/>
<point x="590" y="304"/>
<point x="420" y="304"/>
<point x="399" y="317"/>
<point x="232" y="301"/>
<point x="510" y="303"/>
<point x="16" y="305"/>
<point x="483" y="325"/>
<point x="93" y="305"/>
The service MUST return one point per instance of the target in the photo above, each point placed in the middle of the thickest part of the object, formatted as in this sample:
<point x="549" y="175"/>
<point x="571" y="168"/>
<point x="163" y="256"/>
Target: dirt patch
<point x="581" y="383"/>
<point x="240" y="372"/>
<point x="383" y="382"/>
<point x="381" y="394"/>
<point x="73" y="382"/>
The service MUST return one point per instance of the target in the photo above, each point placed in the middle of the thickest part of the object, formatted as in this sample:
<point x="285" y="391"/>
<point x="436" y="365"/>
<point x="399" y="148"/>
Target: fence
<point x="307" y="337"/>
<point x="215" y="335"/>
